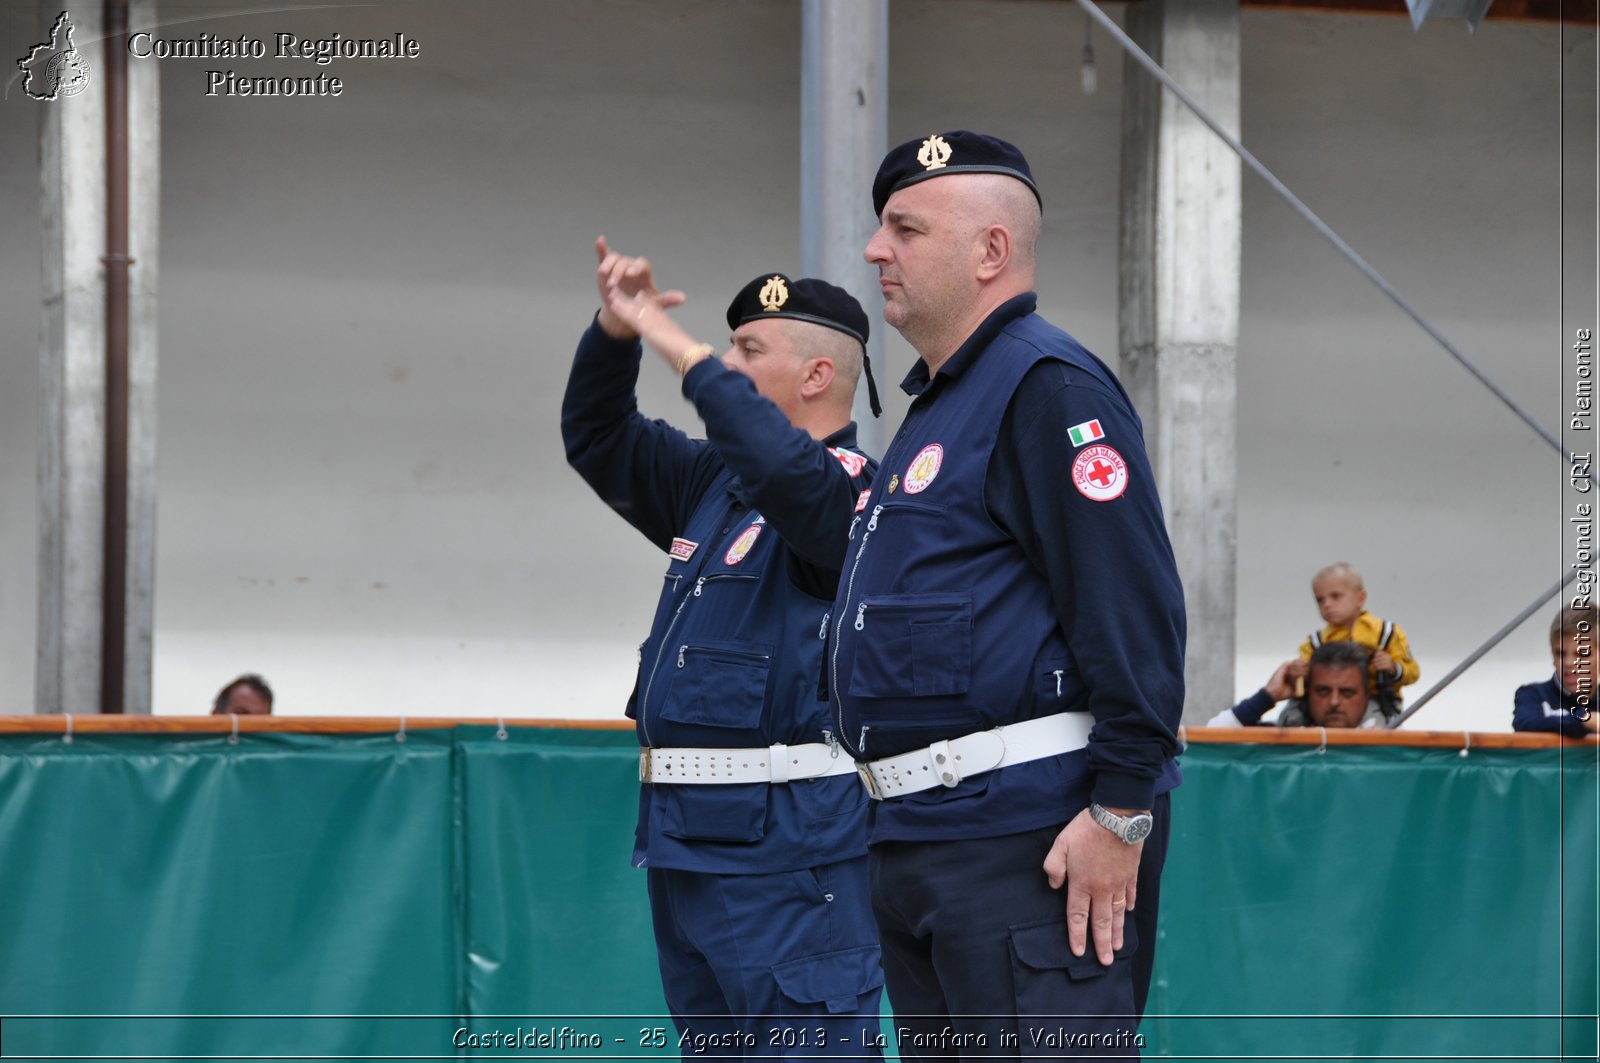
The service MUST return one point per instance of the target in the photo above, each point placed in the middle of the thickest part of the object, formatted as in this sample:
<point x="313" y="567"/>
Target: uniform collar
<point x="917" y="381"/>
<point x="844" y="437"/>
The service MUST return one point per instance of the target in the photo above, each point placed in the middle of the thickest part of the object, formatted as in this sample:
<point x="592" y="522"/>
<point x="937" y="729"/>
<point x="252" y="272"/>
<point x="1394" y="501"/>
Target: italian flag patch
<point x="1087" y="432"/>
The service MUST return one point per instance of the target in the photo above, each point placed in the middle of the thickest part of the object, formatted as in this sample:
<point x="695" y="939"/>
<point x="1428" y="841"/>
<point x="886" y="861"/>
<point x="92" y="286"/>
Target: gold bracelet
<point x="697" y="352"/>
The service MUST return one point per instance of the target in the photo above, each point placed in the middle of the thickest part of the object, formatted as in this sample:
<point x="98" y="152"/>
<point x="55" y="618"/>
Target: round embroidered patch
<point x="741" y="545"/>
<point x="923" y="468"/>
<point x="1100" y="474"/>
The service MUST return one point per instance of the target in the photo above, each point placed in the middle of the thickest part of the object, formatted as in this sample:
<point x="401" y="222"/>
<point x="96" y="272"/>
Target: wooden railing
<point x="1280" y="736"/>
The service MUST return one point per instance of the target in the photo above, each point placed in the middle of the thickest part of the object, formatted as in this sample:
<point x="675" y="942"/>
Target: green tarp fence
<point x="294" y="896"/>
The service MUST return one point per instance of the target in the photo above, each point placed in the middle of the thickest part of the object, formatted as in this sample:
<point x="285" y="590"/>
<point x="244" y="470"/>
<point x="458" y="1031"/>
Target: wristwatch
<point x="1131" y="829"/>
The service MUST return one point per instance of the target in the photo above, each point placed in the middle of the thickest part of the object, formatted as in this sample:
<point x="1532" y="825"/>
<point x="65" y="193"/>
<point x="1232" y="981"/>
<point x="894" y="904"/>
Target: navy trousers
<point x="976" y="958"/>
<point x="758" y="966"/>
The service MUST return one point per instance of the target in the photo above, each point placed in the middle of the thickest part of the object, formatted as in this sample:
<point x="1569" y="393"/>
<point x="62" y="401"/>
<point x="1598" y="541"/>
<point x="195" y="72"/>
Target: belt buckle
<point x="644" y="764"/>
<point x="865" y="771"/>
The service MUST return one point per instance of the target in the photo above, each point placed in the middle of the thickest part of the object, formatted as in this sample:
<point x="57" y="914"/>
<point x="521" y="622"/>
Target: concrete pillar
<point x="73" y="378"/>
<point x="144" y="228"/>
<point x="844" y="122"/>
<point x="1179" y="309"/>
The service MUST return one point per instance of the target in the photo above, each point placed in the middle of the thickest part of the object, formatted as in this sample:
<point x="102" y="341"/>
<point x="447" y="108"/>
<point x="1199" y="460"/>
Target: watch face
<point x="1138" y="827"/>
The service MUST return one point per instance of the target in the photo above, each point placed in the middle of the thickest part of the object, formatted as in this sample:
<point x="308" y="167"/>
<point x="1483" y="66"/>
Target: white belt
<point x="946" y="763"/>
<point x="779" y="763"/>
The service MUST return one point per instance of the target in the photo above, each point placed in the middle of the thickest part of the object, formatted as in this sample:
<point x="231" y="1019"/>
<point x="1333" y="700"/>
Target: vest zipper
<point x="699" y="584"/>
<point x="741" y="654"/>
<point x="703" y="580"/>
<point x="644" y="702"/>
<point x="833" y="661"/>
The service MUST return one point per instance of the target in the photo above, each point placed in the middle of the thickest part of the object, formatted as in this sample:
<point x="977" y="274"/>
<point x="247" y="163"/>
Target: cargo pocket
<point x="1060" y="995"/>
<point x="912" y="645"/>
<point x="734" y="813"/>
<point x="722" y="685"/>
<point x="832" y="983"/>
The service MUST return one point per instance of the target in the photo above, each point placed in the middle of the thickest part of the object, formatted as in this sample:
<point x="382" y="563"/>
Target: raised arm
<point x="806" y="491"/>
<point x="647" y="471"/>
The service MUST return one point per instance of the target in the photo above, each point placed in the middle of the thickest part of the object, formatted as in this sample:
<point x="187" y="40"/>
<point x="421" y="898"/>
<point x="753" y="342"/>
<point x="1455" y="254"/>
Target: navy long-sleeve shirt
<point x="1546" y="707"/>
<point x="1113" y="583"/>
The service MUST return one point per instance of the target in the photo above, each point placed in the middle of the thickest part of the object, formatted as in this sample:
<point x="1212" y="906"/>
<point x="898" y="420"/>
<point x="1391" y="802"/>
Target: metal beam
<point x="1572" y="12"/>
<point x="1575" y="13"/>
<point x="844" y="122"/>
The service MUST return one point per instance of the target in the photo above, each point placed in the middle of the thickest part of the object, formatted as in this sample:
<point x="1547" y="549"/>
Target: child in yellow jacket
<point x="1341" y="599"/>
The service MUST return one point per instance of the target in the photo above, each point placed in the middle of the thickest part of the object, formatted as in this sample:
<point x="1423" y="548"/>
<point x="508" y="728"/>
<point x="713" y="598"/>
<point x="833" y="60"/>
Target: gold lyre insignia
<point x="774" y="294"/>
<point x="934" y="153"/>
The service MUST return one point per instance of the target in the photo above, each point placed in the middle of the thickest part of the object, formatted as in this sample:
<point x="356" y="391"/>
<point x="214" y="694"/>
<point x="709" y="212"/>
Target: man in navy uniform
<point x="1006" y="652"/>
<point x="752" y="820"/>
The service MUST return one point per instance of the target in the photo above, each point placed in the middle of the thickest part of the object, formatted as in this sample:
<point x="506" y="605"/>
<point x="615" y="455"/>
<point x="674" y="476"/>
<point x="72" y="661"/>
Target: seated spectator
<point x="1342" y="599"/>
<point x="1337" y="694"/>
<point x="1565" y="701"/>
<point x="248" y="695"/>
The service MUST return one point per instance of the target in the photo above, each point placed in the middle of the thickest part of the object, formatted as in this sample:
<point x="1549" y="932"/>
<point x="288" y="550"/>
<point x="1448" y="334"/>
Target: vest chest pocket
<point x="719" y="684"/>
<point x="912" y="645"/>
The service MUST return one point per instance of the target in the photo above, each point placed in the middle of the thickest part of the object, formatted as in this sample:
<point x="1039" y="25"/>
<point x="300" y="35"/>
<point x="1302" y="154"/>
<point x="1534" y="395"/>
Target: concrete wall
<point x="368" y="303"/>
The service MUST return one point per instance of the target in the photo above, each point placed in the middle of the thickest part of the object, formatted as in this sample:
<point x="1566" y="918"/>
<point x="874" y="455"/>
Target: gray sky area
<point x="368" y="304"/>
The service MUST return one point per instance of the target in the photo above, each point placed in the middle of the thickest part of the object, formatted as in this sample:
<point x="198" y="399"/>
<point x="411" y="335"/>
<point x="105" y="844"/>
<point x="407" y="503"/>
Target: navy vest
<point x="732" y="661"/>
<point x="942" y="626"/>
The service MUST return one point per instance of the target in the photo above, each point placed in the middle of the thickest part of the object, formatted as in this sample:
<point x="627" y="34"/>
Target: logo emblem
<point x="55" y="68"/>
<point x="683" y="549"/>
<point x="861" y="499"/>
<point x="1100" y="474"/>
<point x="894" y="483"/>
<point x="774" y="294"/>
<point x="741" y="546"/>
<point x="923" y="468"/>
<point x="934" y="153"/>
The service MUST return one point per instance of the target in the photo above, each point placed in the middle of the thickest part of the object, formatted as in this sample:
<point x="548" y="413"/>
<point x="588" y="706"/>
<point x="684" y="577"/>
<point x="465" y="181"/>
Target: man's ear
<point x="818" y="378"/>
<point x="995" y="248"/>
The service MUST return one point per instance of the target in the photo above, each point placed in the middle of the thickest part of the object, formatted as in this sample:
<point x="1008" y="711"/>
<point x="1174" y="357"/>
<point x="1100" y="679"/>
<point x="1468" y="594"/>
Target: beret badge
<point x="774" y="294"/>
<point x="934" y="153"/>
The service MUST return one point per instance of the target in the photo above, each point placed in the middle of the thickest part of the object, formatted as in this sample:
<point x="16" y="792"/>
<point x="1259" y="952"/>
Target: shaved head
<point x="999" y="200"/>
<point x="819" y="341"/>
<point x="948" y="251"/>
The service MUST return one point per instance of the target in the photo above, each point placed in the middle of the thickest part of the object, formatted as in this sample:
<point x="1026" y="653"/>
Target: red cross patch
<point x="1100" y="474"/>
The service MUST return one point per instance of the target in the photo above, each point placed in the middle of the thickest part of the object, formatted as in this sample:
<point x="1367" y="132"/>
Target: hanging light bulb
<point x="1090" y="78"/>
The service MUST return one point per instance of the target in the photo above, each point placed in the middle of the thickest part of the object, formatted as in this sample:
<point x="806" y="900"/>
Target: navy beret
<point x="948" y="153"/>
<point x="807" y="299"/>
